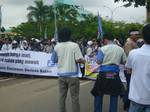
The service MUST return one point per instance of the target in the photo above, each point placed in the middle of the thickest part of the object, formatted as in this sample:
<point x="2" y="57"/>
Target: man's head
<point x="134" y="34"/>
<point x="64" y="35"/>
<point x="107" y="38"/>
<point x="146" y="33"/>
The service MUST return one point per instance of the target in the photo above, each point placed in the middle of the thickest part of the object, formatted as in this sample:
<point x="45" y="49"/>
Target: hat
<point x="140" y="40"/>
<point x="53" y="40"/>
<point x="25" y="41"/>
<point x="90" y="43"/>
<point x="37" y="40"/>
<point x="14" y="42"/>
<point x="134" y="33"/>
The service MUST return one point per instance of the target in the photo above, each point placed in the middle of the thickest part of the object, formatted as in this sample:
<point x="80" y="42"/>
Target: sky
<point x="14" y="12"/>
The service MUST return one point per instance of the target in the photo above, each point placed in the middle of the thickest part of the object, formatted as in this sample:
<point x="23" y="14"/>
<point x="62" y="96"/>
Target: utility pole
<point x="0" y="17"/>
<point x="0" y="20"/>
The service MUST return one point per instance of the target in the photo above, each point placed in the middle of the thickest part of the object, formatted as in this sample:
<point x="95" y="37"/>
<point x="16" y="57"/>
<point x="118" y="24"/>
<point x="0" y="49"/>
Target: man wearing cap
<point x="130" y="44"/>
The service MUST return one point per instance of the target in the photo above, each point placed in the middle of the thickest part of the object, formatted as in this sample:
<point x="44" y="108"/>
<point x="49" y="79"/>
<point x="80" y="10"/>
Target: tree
<point x="139" y="3"/>
<point x="38" y="13"/>
<point x="66" y="13"/>
<point x="2" y="29"/>
<point x="83" y="24"/>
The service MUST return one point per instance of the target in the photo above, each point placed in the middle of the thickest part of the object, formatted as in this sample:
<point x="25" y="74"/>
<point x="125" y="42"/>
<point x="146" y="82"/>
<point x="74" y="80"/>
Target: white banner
<point x="27" y="62"/>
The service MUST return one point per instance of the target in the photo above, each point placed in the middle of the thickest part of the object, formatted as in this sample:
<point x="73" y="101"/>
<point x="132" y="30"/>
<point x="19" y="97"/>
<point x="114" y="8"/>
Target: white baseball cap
<point x="90" y="43"/>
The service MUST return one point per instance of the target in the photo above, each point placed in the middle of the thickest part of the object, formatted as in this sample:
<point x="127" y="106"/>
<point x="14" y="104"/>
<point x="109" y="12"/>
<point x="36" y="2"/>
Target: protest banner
<point x="89" y="65"/>
<point x="28" y="62"/>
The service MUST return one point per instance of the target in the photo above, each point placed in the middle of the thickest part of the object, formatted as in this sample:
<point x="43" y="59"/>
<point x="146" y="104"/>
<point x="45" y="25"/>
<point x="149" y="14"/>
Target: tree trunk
<point x="148" y="11"/>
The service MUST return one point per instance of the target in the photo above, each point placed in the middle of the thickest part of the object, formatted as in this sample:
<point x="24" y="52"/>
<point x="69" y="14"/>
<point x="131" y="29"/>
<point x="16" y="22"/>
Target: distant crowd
<point x="45" y="45"/>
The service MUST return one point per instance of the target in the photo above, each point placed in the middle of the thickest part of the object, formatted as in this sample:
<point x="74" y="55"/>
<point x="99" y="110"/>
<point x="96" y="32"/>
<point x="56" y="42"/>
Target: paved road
<point x="41" y="95"/>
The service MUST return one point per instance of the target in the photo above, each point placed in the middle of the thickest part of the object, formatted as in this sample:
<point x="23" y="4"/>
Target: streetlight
<point x="112" y="10"/>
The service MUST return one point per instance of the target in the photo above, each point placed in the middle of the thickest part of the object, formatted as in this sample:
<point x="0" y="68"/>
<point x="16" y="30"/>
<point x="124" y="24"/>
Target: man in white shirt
<point x="7" y="45"/>
<point x="67" y="54"/>
<point x="138" y="64"/>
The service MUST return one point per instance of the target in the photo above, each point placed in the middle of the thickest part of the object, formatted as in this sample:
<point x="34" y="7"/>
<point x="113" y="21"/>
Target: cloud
<point x="12" y="16"/>
<point x="130" y="14"/>
<point x="16" y="2"/>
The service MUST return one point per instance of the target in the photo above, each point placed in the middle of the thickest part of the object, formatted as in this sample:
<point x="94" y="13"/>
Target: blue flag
<point x="100" y="30"/>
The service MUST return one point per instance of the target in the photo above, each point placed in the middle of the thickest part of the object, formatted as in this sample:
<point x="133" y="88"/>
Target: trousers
<point x="66" y="83"/>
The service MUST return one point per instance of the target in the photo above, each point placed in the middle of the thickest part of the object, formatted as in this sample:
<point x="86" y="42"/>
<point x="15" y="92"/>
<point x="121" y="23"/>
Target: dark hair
<point x="64" y="35"/>
<point x="108" y="35"/>
<point x="146" y="33"/>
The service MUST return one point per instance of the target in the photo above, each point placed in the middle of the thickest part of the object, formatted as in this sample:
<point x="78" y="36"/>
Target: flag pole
<point x="45" y="33"/>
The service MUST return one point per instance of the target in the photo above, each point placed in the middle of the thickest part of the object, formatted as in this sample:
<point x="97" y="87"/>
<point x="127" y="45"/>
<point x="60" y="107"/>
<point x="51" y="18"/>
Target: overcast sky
<point x="14" y="12"/>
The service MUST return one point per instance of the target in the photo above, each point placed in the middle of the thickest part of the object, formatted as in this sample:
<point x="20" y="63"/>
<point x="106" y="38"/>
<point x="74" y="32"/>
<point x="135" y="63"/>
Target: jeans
<point x="135" y="107"/>
<point x="126" y="99"/>
<point x="98" y="103"/>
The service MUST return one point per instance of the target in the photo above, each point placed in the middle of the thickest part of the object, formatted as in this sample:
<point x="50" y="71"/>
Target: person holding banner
<point x="67" y="54"/>
<point x="108" y="81"/>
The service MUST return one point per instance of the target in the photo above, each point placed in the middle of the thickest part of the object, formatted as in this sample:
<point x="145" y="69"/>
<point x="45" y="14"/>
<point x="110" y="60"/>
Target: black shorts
<point x="108" y="83"/>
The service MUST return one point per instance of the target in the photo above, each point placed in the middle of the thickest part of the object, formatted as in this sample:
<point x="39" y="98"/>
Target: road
<point x="33" y="94"/>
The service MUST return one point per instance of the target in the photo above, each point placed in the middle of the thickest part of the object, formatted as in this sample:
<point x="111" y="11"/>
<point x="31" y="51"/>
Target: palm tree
<point x="38" y="13"/>
<point x="66" y="13"/>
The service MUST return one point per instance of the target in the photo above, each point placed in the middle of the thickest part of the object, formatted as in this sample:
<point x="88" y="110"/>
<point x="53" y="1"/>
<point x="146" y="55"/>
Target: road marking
<point x="8" y="79"/>
<point x="84" y="83"/>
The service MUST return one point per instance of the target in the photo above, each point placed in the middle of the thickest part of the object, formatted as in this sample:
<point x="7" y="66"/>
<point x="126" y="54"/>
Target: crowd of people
<point x="44" y="45"/>
<point x="131" y="59"/>
<point x="133" y="56"/>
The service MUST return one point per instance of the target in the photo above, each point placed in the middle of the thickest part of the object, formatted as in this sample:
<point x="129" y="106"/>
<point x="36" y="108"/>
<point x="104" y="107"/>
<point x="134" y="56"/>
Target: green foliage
<point x="136" y="2"/>
<point x="39" y="12"/>
<point x="29" y="30"/>
<point x="42" y="18"/>
<point x="2" y="29"/>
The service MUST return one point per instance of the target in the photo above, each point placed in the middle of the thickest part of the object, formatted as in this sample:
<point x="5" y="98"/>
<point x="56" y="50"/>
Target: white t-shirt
<point x="67" y="53"/>
<point x="139" y="62"/>
<point x="6" y="47"/>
